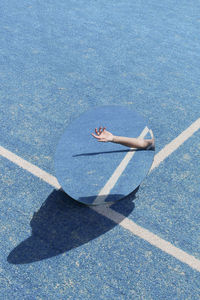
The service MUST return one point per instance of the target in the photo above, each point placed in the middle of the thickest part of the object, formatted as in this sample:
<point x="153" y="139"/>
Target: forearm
<point x="105" y="136"/>
<point x="131" y="142"/>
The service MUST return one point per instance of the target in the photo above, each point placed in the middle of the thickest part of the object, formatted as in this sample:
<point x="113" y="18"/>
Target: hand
<point x="103" y="135"/>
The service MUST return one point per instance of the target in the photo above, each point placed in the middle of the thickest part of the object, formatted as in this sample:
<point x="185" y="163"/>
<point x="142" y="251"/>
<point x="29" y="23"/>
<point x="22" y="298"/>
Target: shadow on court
<point x="107" y="152"/>
<point x="62" y="224"/>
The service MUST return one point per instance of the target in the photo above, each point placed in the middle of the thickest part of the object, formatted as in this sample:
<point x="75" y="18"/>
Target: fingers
<point x="101" y="129"/>
<point x="96" y="131"/>
<point x="96" y="136"/>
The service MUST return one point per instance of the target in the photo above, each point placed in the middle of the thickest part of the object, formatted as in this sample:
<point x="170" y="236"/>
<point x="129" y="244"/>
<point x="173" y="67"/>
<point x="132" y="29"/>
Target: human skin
<point x="102" y="135"/>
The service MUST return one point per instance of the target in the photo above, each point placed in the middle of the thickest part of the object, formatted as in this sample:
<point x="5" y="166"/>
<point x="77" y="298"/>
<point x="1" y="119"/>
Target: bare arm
<point x="102" y="135"/>
<point x="132" y="142"/>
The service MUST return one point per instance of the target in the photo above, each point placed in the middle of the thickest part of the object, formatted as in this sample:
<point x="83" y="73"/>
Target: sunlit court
<point x="99" y="150"/>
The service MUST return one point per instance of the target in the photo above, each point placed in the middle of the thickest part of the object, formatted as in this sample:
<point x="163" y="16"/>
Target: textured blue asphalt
<point x="59" y="59"/>
<point x="59" y="248"/>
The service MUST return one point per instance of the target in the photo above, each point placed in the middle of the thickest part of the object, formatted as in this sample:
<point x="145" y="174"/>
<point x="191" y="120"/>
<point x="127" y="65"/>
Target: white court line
<point x="29" y="167"/>
<point x="149" y="237"/>
<point x="175" y="144"/>
<point x="117" y="217"/>
<point x="105" y="191"/>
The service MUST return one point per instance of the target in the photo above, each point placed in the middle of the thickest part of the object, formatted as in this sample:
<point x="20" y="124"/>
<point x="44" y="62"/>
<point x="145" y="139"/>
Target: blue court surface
<point x="59" y="60"/>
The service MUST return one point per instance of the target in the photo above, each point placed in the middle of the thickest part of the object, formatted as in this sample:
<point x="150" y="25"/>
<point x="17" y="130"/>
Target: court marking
<point x="36" y="171"/>
<point x="104" y="192"/>
<point x="175" y="144"/>
<point x="118" y="218"/>
<point x="149" y="237"/>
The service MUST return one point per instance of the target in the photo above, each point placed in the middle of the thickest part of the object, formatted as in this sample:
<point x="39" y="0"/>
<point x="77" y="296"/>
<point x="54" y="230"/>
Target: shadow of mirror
<point x="62" y="224"/>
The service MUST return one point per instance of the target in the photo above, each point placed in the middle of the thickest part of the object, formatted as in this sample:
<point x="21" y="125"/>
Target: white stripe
<point x="29" y="167"/>
<point x="105" y="191"/>
<point x="117" y="217"/>
<point x="148" y="236"/>
<point x="175" y="144"/>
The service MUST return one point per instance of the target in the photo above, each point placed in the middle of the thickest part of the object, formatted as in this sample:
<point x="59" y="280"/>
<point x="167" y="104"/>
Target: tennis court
<point x="59" y="59"/>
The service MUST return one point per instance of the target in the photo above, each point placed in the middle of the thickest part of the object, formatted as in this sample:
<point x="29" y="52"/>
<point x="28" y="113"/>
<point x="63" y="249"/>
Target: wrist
<point x="114" y="139"/>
